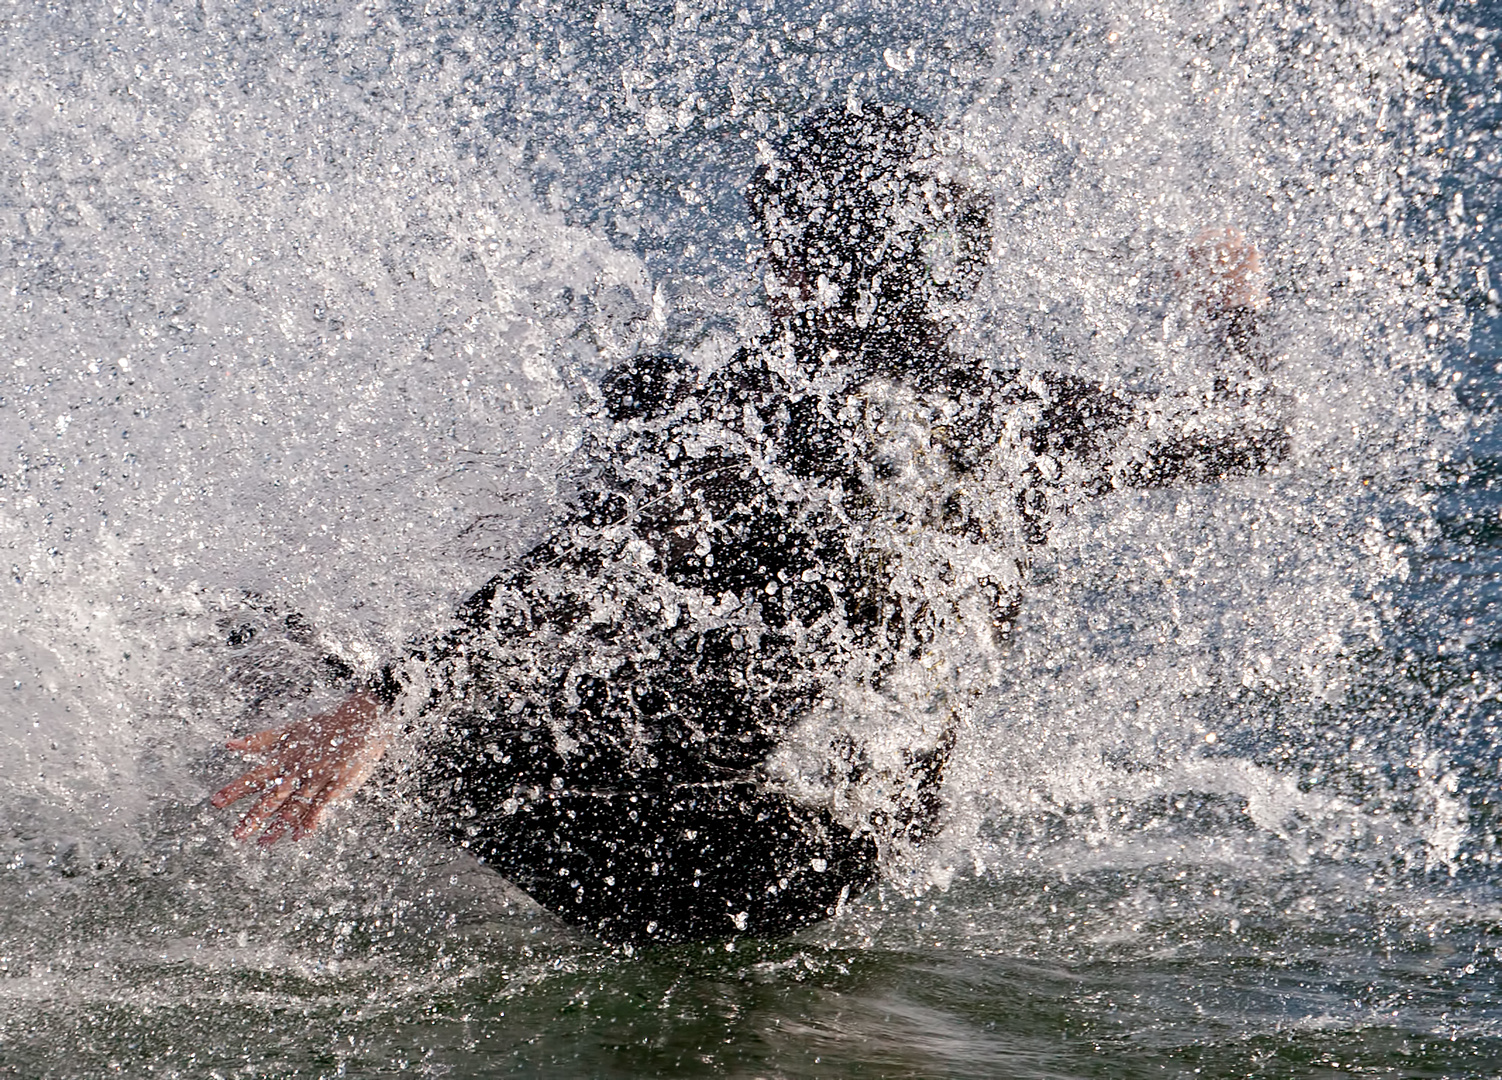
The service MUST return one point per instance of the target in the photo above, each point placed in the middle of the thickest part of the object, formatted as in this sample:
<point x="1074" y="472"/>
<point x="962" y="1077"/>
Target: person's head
<point x="864" y="224"/>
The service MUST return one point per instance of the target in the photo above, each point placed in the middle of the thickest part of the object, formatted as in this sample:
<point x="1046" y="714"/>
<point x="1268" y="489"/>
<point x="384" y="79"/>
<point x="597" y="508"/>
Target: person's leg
<point x="691" y="862"/>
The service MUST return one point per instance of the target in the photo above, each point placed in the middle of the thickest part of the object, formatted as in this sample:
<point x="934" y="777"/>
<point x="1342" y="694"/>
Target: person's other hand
<point x="1225" y="272"/>
<point x="310" y="764"/>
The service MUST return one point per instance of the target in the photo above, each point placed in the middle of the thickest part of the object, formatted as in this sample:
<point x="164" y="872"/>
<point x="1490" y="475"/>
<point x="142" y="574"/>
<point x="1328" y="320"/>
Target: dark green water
<point x="1117" y="975"/>
<point x="193" y="959"/>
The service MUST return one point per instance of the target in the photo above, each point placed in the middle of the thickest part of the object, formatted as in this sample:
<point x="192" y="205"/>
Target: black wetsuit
<point x="597" y="725"/>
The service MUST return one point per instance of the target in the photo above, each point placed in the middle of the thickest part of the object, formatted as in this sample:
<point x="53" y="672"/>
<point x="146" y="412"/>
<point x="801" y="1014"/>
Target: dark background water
<point x="1314" y="894"/>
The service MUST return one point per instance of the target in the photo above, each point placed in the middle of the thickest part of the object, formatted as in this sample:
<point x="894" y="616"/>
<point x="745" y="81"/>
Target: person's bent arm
<point x="1236" y="427"/>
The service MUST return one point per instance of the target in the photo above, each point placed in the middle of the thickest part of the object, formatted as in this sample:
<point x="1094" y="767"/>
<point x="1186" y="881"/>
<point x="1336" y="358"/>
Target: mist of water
<point x="298" y="307"/>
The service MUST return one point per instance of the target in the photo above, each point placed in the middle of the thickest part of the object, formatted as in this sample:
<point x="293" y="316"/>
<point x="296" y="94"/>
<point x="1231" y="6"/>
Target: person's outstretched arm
<point x="311" y="764"/>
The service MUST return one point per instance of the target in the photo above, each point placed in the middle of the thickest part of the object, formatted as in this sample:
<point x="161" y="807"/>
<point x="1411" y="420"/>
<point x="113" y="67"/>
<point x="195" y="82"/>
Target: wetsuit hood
<point x="864" y="219"/>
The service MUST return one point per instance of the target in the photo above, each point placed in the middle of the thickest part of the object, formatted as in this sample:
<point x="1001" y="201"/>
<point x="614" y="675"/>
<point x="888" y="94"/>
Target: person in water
<point x="721" y="695"/>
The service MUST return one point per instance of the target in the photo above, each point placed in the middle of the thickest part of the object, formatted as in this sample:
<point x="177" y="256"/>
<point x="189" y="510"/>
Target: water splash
<point x="297" y="298"/>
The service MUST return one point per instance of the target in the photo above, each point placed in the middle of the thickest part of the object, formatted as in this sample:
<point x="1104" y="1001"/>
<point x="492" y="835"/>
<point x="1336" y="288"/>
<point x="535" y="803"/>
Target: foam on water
<point x="298" y="306"/>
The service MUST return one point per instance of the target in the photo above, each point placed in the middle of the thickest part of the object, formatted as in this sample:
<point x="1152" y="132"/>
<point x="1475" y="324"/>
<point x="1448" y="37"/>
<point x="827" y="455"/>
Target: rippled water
<point x="296" y="306"/>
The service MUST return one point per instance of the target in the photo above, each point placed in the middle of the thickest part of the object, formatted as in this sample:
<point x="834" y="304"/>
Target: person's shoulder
<point x="647" y="386"/>
<point x="748" y="376"/>
<point x="652" y="386"/>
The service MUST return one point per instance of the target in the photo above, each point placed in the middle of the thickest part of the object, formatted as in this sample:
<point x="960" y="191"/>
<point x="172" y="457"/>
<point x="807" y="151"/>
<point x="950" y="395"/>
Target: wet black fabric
<point x="600" y="718"/>
<point x="685" y="863"/>
<point x="626" y="795"/>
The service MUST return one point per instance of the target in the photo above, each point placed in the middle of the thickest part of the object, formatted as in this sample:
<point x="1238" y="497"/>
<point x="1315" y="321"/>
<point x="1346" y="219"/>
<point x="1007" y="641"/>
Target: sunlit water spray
<point x="1219" y="646"/>
<point x="301" y="307"/>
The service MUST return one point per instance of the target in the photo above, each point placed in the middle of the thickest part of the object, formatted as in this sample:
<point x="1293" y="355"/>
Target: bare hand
<point x="311" y="764"/>
<point x="1225" y="272"/>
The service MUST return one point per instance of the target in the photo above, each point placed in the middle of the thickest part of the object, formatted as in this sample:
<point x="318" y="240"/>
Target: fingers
<point x="253" y="780"/>
<point x="295" y="804"/>
<point x="318" y="803"/>
<point x="314" y="763"/>
<point x="339" y="785"/>
<point x="255" y="744"/>
<point x="269" y="803"/>
<point x="298" y="815"/>
<point x="274" y="831"/>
